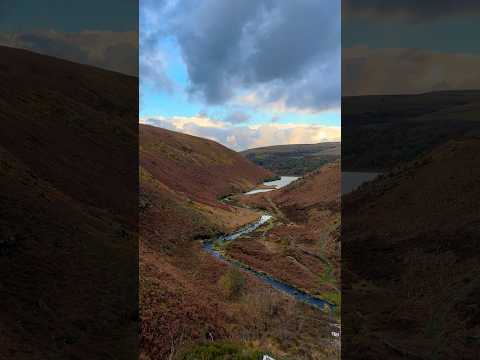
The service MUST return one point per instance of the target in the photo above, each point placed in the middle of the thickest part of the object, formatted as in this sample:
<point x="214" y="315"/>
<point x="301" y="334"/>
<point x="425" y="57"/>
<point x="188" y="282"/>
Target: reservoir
<point x="276" y="184"/>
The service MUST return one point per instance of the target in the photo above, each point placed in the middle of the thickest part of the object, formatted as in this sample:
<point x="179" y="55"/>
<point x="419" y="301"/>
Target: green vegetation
<point x="232" y="283"/>
<point x="294" y="160"/>
<point x="221" y="351"/>
<point x="333" y="297"/>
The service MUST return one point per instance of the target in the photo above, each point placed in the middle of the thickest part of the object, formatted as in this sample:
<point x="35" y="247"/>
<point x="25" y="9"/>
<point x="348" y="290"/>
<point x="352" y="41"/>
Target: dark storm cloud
<point x="420" y="10"/>
<point x="152" y="62"/>
<point x="117" y="51"/>
<point x="237" y="117"/>
<point x="6" y="9"/>
<point x="152" y="71"/>
<point x="52" y="46"/>
<point x="278" y="45"/>
<point x="3" y="8"/>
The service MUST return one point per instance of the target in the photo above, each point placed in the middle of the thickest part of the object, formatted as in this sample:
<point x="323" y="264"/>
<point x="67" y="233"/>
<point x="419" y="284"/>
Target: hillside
<point x="380" y="131"/>
<point x="410" y="258"/>
<point x="302" y="246"/>
<point x="67" y="150"/>
<point x="194" y="166"/>
<point x="294" y="160"/>
<point x="182" y="179"/>
<point x="182" y="303"/>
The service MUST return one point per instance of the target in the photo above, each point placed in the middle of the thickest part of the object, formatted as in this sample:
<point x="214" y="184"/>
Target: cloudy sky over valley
<point x="246" y="73"/>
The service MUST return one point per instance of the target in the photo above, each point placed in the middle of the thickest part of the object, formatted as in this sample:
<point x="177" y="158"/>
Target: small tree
<point x="232" y="283"/>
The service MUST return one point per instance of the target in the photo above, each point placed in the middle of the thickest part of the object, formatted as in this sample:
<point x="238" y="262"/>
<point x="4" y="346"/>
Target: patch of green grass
<point x="232" y="283"/>
<point x="217" y="246"/>
<point x="333" y="297"/>
<point x="266" y="227"/>
<point x="221" y="351"/>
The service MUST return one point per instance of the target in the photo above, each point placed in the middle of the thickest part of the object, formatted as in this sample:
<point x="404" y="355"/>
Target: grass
<point x="221" y="351"/>
<point x="265" y="228"/>
<point x="232" y="283"/>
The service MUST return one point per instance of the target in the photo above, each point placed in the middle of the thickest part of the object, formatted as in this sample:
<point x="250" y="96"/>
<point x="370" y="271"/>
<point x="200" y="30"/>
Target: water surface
<point x="209" y="246"/>
<point x="351" y="180"/>
<point x="276" y="184"/>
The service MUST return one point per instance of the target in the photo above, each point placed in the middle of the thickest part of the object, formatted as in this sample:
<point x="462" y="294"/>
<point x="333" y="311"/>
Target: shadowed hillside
<point x="67" y="152"/>
<point x="294" y="160"/>
<point x="380" y="131"/>
<point x="410" y="248"/>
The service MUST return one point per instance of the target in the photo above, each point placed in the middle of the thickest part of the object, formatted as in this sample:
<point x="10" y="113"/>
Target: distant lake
<point x="352" y="179"/>
<point x="277" y="184"/>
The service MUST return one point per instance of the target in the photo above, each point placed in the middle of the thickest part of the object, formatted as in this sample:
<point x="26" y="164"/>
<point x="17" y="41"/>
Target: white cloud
<point x="183" y="122"/>
<point x="247" y="136"/>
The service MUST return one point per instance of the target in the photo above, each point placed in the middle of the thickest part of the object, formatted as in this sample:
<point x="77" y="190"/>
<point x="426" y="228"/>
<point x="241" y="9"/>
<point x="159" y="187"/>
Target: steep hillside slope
<point x="410" y="248"/>
<point x="200" y="168"/>
<point x="67" y="150"/>
<point x="294" y="160"/>
<point x="182" y="179"/>
<point x="78" y="118"/>
<point x="301" y="247"/>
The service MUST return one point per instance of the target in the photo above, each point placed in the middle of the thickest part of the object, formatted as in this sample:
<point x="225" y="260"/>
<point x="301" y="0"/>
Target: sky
<point x="72" y="16"/>
<point x="245" y="73"/>
<point x="409" y="47"/>
<point x="99" y="33"/>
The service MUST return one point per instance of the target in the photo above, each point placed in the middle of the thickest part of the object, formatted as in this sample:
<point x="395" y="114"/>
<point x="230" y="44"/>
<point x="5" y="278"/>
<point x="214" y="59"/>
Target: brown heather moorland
<point x="302" y="245"/>
<point x="410" y="248"/>
<point x="69" y="132"/>
<point x="182" y="303"/>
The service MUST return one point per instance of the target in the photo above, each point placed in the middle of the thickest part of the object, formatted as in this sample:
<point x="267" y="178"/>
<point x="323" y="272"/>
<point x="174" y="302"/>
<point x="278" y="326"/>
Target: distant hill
<point x="68" y="209"/>
<point x="296" y="159"/>
<point x="410" y="250"/>
<point x="380" y="131"/>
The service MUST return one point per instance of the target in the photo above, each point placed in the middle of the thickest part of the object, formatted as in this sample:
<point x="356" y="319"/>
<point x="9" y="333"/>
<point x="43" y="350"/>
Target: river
<point x="209" y="246"/>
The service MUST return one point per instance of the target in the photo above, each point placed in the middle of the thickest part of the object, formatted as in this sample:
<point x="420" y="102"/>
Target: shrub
<point x="221" y="351"/>
<point x="232" y="283"/>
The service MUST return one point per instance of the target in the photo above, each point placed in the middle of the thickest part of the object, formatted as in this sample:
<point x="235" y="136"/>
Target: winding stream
<point x="209" y="246"/>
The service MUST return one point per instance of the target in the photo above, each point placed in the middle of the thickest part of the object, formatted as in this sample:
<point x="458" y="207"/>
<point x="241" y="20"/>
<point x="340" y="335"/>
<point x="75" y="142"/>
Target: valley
<point x="207" y="298"/>
<point x="303" y="239"/>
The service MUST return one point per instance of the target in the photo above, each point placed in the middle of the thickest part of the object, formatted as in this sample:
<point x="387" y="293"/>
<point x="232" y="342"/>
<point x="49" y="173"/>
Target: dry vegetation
<point x="302" y="245"/>
<point x="190" y="301"/>
<point x="65" y="232"/>
<point x="410" y="240"/>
